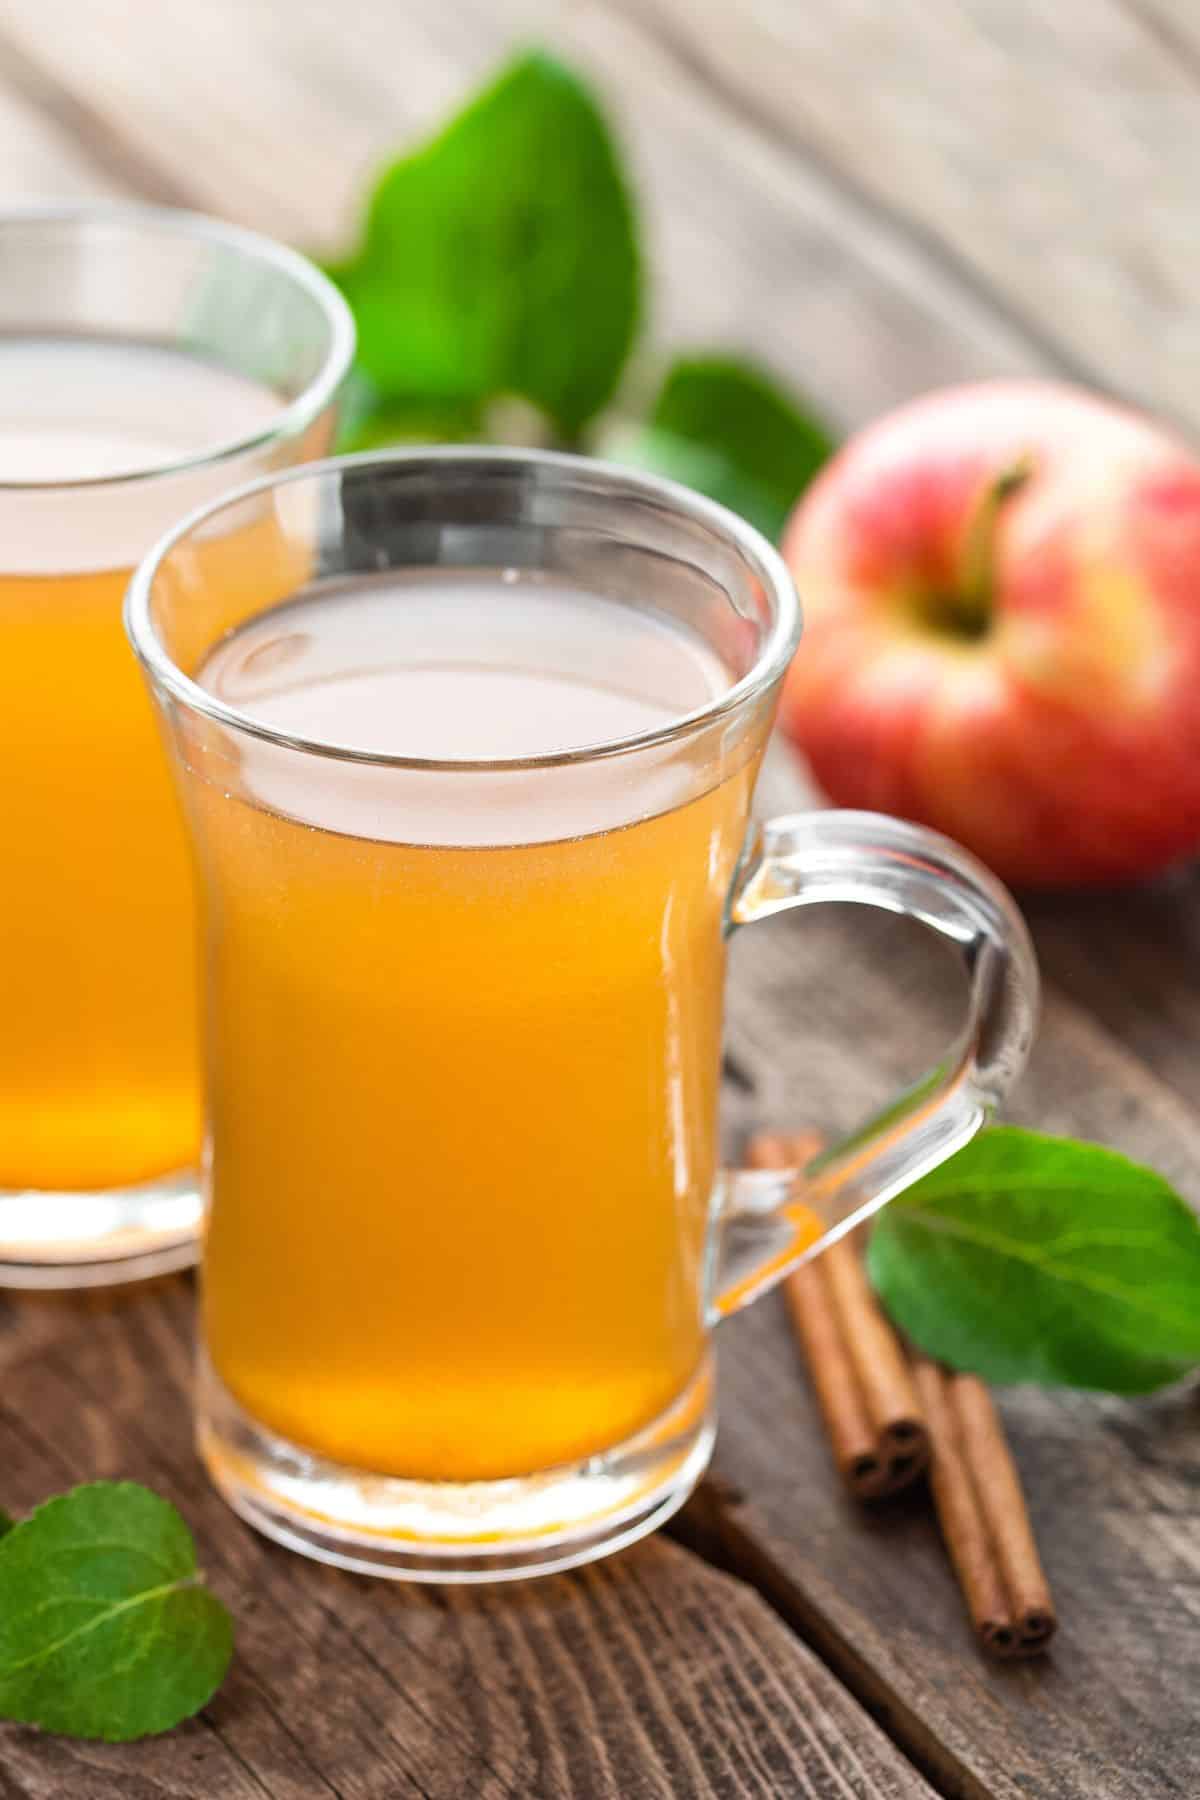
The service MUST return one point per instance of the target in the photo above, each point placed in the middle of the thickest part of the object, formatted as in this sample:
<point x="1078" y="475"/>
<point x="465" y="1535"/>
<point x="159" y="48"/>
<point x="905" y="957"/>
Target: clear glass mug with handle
<point x="149" y="360"/>
<point x="468" y="1236"/>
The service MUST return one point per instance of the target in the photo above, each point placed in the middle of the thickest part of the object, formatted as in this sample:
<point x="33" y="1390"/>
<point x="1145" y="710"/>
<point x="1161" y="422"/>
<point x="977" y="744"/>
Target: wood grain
<point x="1132" y="959"/>
<point x="828" y="1013"/>
<point x="1041" y="152"/>
<point x="1112" y="1489"/>
<point x="38" y="159"/>
<point x="653" y="1675"/>
<point x="1175" y="25"/>
<point x="268" y="114"/>
<point x="1122" y="968"/>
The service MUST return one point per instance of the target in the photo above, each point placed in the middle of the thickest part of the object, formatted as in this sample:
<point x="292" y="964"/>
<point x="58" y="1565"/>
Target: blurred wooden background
<point x="876" y="195"/>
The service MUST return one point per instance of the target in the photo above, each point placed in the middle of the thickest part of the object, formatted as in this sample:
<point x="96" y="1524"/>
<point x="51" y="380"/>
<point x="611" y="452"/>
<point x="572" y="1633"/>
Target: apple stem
<point x="975" y="587"/>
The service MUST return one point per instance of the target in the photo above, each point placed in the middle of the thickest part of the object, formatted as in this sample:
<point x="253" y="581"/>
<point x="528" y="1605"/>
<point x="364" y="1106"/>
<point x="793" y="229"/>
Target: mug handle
<point x="765" y="1218"/>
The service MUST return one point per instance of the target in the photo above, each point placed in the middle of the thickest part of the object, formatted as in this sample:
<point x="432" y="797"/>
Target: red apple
<point x="1001" y="588"/>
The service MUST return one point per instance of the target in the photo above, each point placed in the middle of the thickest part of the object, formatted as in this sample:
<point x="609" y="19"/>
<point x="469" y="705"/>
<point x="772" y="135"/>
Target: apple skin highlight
<point x="1020" y="671"/>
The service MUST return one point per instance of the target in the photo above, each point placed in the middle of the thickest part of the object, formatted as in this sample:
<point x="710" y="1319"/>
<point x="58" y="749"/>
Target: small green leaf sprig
<point x="106" y="1628"/>
<point x="502" y="259"/>
<point x="1028" y="1258"/>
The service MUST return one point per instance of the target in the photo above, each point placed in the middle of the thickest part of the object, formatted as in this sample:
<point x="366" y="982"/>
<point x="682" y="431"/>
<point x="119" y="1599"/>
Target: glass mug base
<point x="455" y="1532"/>
<point x="68" y="1240"/>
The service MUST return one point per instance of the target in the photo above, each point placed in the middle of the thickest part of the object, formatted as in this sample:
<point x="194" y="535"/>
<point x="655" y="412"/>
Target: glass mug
<point x="468" y="1236"/>
<point x="148" y="360"/>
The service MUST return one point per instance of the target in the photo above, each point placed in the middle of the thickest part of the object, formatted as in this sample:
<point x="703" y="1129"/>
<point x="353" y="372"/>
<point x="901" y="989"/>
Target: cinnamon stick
<point x="879" y="1362"/>
<point x="888" y="1414"/>
<point x="862" y="1382"/>
<point x="982" y="1513"/>
<point x="1002" y="1504"/>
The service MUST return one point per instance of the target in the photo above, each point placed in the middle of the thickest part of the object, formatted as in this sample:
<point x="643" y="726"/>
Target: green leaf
<point x="726" y="428"/>
<point x="105" y="1630"/>
<point x="6" y="1522"/>
<point x="502" y="256"/>
<point x="370" y="420"/>
<point x="1031" y="1258"/>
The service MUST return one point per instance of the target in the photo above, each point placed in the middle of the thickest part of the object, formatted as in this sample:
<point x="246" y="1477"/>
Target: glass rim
<point x="761" y="557"/>
<point x="295" y="415"/>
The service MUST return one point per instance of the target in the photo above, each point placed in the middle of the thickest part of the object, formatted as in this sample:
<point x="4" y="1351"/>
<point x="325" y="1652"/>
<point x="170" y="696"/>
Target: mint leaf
<point x="502" y="256"/>
<point x="726" y="428"/>
<point x="1031" y="1258"/>
<point x="369" y="420"/>
<point x="105" y="1630"/>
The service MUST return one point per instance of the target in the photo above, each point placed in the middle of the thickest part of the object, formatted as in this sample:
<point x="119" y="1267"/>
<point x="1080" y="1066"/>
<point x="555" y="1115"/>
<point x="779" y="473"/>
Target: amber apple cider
<point x="98" y="1064"/>
<point x="463" y="1024"/>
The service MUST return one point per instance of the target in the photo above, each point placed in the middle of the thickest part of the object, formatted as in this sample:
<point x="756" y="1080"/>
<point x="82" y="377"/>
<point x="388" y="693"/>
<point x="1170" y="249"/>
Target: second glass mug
<point x="468" y="1236"/>
<point x="149" y="359"/>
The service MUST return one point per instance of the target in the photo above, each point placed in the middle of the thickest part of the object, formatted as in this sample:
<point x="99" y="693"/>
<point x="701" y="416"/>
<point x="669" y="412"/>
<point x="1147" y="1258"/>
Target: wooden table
<point x="876" y="197"/>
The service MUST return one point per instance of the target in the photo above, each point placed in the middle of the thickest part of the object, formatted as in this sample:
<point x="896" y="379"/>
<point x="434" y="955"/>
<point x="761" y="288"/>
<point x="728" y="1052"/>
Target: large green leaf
<point x="502" y="256"/>
<point x="1030" y="1258"/>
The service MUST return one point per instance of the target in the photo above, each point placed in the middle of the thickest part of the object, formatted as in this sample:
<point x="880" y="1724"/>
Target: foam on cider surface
<point x="86" y="409"/>
<point x="463" y="666"/>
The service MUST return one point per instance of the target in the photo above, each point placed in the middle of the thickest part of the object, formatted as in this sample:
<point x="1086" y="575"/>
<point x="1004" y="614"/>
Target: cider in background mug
<point x="471" y="813"/>
<point x="148" y="360"/>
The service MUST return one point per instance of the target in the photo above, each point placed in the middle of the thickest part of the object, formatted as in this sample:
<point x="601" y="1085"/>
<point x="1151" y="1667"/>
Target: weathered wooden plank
<point x="654" y="1676"/>
<point x="827" y="1015"/>
<point x="1176" y="26"/>
<point x="1128" y="957"/>
<point x="270" y="115"/>
<point x="1111" y="1714"/>
<point x="1045" y="152"/>
<point x="28" y="1322"/>
<point x="38" y="159"/>
<point x="1132" y="958"/>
